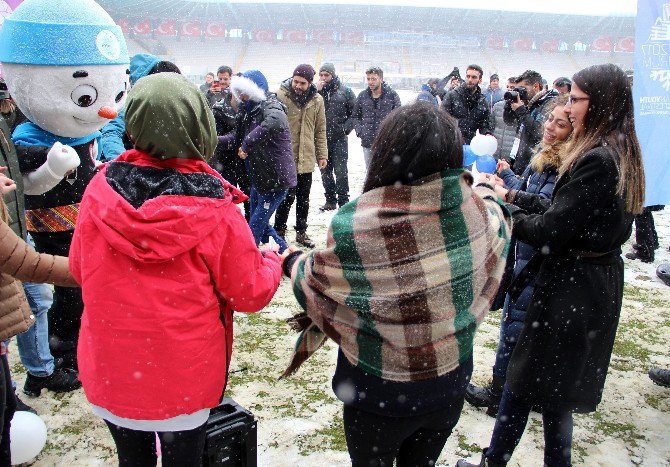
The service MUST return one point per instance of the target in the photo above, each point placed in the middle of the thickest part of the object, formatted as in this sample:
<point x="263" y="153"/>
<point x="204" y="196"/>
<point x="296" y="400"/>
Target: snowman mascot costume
<point x="66" y="65"/>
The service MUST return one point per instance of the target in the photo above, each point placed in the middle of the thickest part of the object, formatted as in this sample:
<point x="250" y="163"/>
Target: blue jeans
<point x="337" y="186"/>
<point x="263" y="206"/>
<point x="510" y="330"/>
<point x="511" y="423"/>
<point x="34" y="343"/>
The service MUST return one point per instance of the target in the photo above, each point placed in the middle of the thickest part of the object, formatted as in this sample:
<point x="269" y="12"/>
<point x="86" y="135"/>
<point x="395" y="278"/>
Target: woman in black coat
<point x="563" y="353"/>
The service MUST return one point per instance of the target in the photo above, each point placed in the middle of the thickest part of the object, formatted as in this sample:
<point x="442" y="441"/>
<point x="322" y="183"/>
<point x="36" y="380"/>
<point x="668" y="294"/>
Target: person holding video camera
<point x="525" y="106"/>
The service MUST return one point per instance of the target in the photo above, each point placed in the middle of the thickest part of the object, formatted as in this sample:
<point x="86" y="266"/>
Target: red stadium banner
<point x="191" y="29"/>
<point x="167" y="27"/>
<point x="352" y="37"/>
<point x="495" y="42"/>
<point x="625" y="44"/>
<point x="143" y="28"/>
<point x="550" y="45"/>
<point x="215" y="29"/>
<point x="524" y="44"/>
<point x="264" y="35"/>
<point x="294" y="35"/>
<point x="602" y="44"/>
<point x="124" y="24"/>
<point x="324" y="36"/>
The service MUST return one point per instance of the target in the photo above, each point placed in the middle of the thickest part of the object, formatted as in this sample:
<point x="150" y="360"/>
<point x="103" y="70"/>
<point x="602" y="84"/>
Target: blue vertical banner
<point x="651" y="95"/>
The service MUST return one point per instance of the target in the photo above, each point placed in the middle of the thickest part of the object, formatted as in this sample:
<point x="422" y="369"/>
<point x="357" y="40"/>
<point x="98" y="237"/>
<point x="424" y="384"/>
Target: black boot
<point x="488" y="396"/>
<point x="302" y="238"/>
<point x="484" y="462"/>
<point x="22" y="406"/>
<point x="660" y="376"/>
<point x="61" y="380"/>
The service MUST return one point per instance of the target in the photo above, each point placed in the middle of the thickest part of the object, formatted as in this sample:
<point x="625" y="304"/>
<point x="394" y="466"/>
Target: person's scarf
<point x="29" y="134"/>
<point x="407" y="275"/>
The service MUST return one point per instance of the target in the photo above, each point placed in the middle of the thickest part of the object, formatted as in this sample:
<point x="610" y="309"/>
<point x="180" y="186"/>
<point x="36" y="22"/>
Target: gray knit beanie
<point x="328" y="68"/>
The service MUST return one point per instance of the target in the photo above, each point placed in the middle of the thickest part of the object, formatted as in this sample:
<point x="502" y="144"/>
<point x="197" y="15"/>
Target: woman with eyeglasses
<point x="561" y="358"/>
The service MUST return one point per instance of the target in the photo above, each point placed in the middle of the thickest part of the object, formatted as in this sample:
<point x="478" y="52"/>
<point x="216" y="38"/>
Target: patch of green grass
<point x="630" y="349"/>
<point x="658" y="402"/>
<point x="331" y="437"/>
<point x="465" y="446"/>
<point x="617" y="430"/>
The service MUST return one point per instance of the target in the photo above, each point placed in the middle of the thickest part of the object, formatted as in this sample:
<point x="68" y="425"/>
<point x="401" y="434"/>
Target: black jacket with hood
<point x="369" y="112"/>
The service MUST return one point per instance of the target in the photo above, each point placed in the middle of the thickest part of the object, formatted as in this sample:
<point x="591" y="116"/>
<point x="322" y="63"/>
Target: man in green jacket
<point x="307" y="121"/>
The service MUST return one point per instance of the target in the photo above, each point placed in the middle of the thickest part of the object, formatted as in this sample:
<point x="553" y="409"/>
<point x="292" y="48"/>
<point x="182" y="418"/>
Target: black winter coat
<point x="339" y="101"/>
<point x="561" y="359"/>
<point x="262" y="132"/>
<point x="369" y="113"/>
<point x="471" y="110"/>
<point x="529" y="121"/>
<point x="225" y="120"/>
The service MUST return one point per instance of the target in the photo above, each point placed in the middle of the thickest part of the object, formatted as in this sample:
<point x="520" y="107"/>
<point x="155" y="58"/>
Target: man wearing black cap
<point x="307" y="121"/>
<point x="339" y="101"/>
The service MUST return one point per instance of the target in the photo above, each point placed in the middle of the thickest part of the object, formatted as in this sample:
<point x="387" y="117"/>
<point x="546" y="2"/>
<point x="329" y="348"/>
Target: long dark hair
<point x="414" y="141"/>
<point x="610" y="121"/>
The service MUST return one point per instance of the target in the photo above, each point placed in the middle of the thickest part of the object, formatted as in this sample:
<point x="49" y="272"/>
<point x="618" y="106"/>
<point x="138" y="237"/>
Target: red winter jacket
<point x="162" y="254"/>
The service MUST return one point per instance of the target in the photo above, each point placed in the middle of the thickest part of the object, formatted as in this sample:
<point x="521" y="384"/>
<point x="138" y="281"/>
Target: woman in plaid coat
<point x="408" y="273"/>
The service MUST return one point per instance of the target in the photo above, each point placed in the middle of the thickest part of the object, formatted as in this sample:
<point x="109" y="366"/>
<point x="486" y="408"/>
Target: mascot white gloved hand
<point x="66" y="66"/>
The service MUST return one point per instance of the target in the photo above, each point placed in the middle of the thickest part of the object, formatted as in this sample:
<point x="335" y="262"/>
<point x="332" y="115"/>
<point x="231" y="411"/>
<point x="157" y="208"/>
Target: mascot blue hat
<point x="62" y="33"/>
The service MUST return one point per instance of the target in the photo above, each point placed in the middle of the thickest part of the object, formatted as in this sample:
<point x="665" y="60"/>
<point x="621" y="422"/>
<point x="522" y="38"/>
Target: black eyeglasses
<point x="573" y="100"/>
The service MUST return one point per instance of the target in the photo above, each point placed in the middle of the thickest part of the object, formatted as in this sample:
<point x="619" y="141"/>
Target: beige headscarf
<point x="168" y="117"/>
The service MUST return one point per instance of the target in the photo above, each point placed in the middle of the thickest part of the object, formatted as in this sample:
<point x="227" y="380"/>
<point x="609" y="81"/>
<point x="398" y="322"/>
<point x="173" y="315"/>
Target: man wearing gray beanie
<point x="339" y="101"/>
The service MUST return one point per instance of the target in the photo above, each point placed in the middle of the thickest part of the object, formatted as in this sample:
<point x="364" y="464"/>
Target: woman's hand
<point x="243" y="155"/>
<point x="502" y="165"/>
<point x="501" y="191"/>
<point x="7" y="185"/>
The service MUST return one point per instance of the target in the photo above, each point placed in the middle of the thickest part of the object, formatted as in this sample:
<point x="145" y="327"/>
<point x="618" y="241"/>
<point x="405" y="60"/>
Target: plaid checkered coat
<point x="408" y="274"/>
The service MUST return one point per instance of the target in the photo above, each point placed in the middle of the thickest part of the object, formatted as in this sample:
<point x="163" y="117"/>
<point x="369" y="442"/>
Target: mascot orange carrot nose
<point x="107" y="112"/>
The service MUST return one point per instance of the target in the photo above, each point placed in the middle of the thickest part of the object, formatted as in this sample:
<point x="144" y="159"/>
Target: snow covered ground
<point x="299" y="419"/>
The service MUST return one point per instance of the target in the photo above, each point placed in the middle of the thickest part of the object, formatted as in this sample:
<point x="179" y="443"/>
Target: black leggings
<point x="178" y="448"/>
<point x="376" y="440"/>
<point x="7" y="409"/>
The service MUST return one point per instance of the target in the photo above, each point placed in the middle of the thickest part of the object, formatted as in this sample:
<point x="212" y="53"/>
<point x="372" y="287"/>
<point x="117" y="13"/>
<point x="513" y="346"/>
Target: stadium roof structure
<point x="380" y="17"/>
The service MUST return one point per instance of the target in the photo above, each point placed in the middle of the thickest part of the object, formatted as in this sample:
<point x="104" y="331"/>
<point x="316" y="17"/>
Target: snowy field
<point x="299" y="419"/>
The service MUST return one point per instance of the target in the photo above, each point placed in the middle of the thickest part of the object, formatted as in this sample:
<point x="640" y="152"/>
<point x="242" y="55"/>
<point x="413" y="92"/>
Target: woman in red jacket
<point x="163" y="256"/>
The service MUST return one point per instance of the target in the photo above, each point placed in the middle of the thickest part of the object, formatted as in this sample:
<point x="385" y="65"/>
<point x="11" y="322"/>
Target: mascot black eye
<point x="84" y="95"/>
<point x="121" y="93"/>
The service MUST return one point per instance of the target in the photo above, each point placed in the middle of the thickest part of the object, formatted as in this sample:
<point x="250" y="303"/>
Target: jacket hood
<point x="246" y="85"/>
<point x="141" y="65"/>
<point x="165" y="225"/>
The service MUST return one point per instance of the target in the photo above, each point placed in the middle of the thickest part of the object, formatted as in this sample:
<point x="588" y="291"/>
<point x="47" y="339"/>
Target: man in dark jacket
<point x="467" y="104"/>
<point x="372" y="106"/>
<point x="225" y="160"/>
<point x="339" y="101"/>
<point x="219" y="87"/>
<point x="529" y="116"/>
<point x="262" y="138"/>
